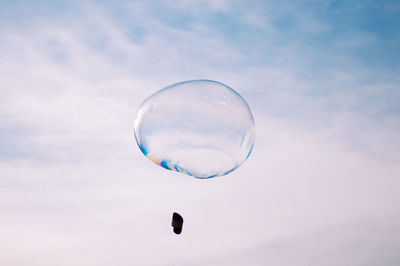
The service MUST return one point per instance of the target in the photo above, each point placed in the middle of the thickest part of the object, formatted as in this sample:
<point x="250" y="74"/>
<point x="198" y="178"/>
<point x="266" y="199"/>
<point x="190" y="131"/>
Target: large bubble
<point x="201" y="128"/>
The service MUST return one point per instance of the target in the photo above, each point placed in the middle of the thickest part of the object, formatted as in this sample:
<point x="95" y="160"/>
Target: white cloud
<point x="83" y="194"/>
<point x="214" y="5"/>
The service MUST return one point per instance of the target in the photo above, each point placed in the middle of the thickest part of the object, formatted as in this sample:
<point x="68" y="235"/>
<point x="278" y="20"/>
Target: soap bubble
<point x="201" y="128"/>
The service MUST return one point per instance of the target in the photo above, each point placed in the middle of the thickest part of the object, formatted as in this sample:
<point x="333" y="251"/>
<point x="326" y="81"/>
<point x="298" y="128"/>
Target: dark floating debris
<point x="177" y="223"/>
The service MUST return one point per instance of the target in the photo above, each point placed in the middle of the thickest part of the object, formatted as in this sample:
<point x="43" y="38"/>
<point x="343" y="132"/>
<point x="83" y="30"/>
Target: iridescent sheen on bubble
<point x="201" y="128"/>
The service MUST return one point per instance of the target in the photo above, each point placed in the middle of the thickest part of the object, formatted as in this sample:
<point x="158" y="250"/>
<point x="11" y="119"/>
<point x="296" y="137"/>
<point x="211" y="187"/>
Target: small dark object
<point x="177" y="223"/>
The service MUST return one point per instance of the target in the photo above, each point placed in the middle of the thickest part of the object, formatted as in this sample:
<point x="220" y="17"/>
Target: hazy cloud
<point x="319" y="188"/>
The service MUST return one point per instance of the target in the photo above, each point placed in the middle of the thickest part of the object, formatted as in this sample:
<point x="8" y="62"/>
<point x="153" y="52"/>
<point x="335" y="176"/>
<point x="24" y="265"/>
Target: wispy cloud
<point x="323" y="176"/>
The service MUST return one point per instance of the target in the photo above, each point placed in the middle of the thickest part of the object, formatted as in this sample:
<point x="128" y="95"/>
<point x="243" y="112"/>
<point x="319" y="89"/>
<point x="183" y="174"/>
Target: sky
<point x="322" y="184"/>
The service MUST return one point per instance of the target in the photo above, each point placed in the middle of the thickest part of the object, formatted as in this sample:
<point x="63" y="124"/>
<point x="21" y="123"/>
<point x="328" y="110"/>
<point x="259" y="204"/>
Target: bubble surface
<point x="201" y="128"/>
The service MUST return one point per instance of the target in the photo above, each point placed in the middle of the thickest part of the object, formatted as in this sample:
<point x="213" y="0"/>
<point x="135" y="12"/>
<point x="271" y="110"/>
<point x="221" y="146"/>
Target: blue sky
<point x="322" y="80"/>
